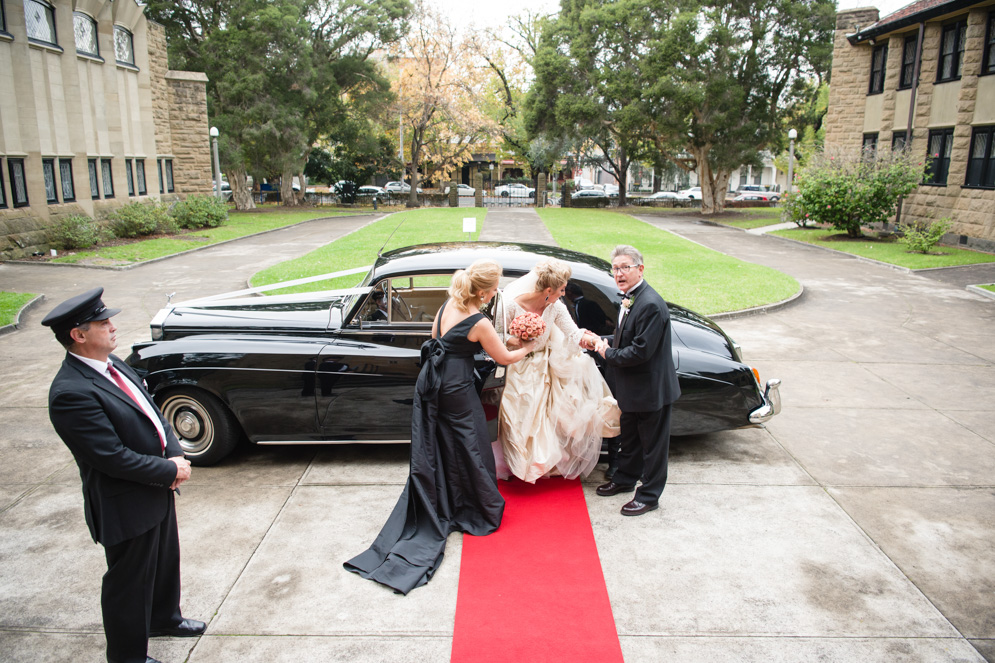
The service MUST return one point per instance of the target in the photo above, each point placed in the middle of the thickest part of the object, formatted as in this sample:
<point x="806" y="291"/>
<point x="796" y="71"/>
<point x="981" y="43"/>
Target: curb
<point x="981" y="291"/>
<point x="766" y="308"/>
<point x="872" y="261"/>
<point x="121" y="268"/>
<point x="8" y="329"/>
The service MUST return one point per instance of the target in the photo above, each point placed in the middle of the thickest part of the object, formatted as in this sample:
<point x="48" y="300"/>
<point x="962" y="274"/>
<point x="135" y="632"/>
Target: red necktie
<point x="119" y="380"/>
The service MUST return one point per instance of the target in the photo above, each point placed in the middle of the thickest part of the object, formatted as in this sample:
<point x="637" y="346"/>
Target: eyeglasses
<point x="621" y="269"/>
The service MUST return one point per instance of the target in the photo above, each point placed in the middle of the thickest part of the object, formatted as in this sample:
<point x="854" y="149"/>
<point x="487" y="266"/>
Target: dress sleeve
<point x="562" y="319"/>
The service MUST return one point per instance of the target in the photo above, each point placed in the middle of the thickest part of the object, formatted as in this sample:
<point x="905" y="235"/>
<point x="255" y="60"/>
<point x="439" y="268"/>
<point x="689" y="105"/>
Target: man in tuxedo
<point x="642" y="376"/>
<point x="130" y="463"/>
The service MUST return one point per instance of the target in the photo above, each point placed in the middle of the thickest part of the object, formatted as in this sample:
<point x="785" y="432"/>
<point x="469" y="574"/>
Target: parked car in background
<point x="757" y="189"/>
<point x="694" y="193"/>
<point x="588" y="193"/>
<point x="327" y="368"/>
<point x="369" y="190"/>
<point x="757" y="195"/>
<point x="462" y="190"/>
<point x="399" y="187"/>
<point x="611" y="190"/>
<point x="514" y="190"/>
<point x="663" y="195"/>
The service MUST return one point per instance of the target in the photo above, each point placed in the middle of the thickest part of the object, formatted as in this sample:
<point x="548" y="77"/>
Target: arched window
<point x="85" y="30"/>
<point x="124" y="46"/>
<point x="39" y="18"/>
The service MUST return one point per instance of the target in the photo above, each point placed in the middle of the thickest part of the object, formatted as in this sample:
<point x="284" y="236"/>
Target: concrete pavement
<point x="858" y="526"/>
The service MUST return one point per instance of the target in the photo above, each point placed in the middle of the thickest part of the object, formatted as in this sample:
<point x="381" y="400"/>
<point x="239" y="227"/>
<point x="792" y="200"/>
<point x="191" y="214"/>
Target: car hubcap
<point x="191" y="422"/>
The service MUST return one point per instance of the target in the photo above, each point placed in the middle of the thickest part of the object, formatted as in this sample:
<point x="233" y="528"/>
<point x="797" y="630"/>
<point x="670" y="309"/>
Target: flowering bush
<point x="852" y="189"/>
<point x="527" y="326"/>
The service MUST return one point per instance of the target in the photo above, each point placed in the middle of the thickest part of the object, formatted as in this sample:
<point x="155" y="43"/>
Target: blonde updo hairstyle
<point x="551" y="273"/>
<point x="468" y="283"/>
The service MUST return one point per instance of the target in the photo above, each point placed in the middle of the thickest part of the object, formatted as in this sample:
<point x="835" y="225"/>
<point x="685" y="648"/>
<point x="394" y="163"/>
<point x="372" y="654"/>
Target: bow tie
<point x="625" y="295"/>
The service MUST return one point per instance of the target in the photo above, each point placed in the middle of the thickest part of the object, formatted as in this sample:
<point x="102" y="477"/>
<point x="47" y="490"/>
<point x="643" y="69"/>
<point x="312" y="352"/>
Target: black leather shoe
<point x="611" y="469"/>
<point x="636" y="508"/>
<point x="188" y="628"/>
<point x="612" y="488"/>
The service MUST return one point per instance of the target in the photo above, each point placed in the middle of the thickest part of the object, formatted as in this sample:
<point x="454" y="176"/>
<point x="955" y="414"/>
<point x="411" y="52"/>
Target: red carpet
<point x="534" y="591"/>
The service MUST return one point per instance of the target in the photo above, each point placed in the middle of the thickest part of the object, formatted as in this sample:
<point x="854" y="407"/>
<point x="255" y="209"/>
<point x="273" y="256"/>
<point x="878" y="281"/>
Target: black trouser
<point x="645" y="441"/>
<point x="141" y="589"/>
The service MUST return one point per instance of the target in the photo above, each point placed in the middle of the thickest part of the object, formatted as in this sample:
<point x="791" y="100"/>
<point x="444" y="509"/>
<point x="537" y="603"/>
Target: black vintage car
<point x="340" y="366"/>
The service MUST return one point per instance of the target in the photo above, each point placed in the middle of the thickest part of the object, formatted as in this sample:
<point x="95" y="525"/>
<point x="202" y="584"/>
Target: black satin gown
<point x="452" y="484"/>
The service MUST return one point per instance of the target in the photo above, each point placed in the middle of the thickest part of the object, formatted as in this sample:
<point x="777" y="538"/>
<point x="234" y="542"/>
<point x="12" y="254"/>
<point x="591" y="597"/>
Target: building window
<point x="870" y="146"/>
<point x="162" y="182"/>
<point x="91" y="165"/>
<point x="908" y="62"/>
<point x="951" y="51"/>
<point x="66" y="177"/>
<point x="85" y="31"/>
<point x="168" y="165"/>
<point x="18" y="183"/>
<point x="140" y="176"/>
<point x="898" y="141"/>
<point x="48" y="169"/>
<point x="128" y="176"/>
<point x="3" y="190"/>
<point x="981" y="162"/>
<point x="940" y="142"/>
<point x="124" y="48"/>
<point x="108" y="178"/>
<point x="988" y="61"/>
<point x="3" y="28"/>
<point x="39" y="18"/>
<point x="878" y="59"/>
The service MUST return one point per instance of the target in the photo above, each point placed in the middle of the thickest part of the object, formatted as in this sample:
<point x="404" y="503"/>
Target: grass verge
<point x="889" y="250"/>
<point x="990" y="287"/>
<point x="240" y="224"/>
<point x="751" y="217"/>
<point x="683" y="272"/>
<point x="360" y="248"/>
<point x="11" y="303"/>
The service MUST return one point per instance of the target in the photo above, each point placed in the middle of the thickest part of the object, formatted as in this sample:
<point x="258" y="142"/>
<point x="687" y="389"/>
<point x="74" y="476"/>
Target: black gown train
<point x="452" y="485"/>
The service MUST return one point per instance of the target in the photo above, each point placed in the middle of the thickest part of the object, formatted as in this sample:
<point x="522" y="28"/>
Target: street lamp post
<point x="792" y="134"/>
<point x="217" y="164"/>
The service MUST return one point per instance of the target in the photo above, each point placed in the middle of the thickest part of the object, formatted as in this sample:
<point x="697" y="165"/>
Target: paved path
<point x="859" y="526"/>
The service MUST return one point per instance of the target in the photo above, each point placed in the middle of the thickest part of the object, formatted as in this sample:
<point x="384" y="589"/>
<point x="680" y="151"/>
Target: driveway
<point x="858" y="526"/>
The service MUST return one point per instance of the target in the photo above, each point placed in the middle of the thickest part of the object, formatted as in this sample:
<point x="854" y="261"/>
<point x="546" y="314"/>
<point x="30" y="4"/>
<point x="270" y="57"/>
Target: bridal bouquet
<point x="527" y="326"/>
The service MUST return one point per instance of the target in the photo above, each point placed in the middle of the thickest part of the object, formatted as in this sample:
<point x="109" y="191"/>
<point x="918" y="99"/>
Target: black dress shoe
<point x="612" y="488"/>
<point x="636" y="508"/>
<point x="610" y="470"/>
<point x="188" y="628"/>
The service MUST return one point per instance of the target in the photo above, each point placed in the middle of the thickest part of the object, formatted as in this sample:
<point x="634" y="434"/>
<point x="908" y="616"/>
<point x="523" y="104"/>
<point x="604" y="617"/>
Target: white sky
<point x="884" y="6"/>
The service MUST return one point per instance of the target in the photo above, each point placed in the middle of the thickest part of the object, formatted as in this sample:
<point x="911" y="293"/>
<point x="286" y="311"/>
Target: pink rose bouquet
<point x="527" y="326"/>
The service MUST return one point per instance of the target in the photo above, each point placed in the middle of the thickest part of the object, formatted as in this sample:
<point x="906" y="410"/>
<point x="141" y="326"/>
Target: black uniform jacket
<point x="640" y="363"/>
<point x="125" y="474"/>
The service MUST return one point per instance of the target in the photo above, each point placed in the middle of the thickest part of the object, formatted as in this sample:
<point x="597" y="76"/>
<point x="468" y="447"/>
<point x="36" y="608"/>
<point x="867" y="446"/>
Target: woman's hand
<point x="513" y="343"/>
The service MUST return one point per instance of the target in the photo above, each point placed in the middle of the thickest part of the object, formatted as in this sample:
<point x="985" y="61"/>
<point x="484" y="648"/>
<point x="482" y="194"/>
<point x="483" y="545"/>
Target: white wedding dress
<point x="556" y="405"/>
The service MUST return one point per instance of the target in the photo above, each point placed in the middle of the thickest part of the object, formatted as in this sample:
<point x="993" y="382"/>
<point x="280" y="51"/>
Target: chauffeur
<point x="130" y="462"/>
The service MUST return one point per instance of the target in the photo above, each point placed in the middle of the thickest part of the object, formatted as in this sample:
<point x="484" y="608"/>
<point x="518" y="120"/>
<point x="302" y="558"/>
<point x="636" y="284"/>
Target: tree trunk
<point x="413" y="176"/>
<point x="713" y="183"/>
<point x="241" y="193"/>
<point x="287" y="197"/>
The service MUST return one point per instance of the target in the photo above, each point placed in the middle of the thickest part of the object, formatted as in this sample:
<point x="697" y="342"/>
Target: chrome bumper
<point x="772" y="403"/>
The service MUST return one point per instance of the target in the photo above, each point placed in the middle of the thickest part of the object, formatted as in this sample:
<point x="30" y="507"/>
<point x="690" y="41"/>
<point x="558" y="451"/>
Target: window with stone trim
<point x="91" y="167"/>
<point x="66" y="179"/>
<point x="168" y="165"/>
<point x="940" y="144"/>
<point x="129" y="177"/>
<point x="908" y="62"/>
<point x="3" y="189"/>
<point x="3" y="28"/>
<point x="951" y="51"/>
<point x="869" y="148"/>
<point x="981" y="160"/>
<point x="879" y="57"/>
<point x="898" y="141"/>
<point x="988" y="61"/>
<point x="107" y="178"/>
<point x="48" y="170"/>
<point x="85" y="33"/>
<point x="39" y="19"/>
<point x="124" y="46"/>
<point x="162" y="182"/>
<point x="18" y="182"/>
<point x="140" y="176"/>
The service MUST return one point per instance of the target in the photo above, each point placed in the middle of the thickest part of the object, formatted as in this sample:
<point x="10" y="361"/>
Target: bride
<point x="556" y="406"/>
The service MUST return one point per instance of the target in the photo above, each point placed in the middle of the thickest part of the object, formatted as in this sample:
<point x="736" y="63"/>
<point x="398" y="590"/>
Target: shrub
<point x="77" y="231"/>
<point x="922" y="236"/>
<point x="200" y="212"/>
<point x="139" y="219"/>
<point x="851" y="189"/>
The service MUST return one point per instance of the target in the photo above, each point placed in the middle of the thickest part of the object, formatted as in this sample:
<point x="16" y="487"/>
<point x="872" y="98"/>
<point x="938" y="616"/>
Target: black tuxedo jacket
<point x="640" y="366"/>
<point x="125" y="474"/>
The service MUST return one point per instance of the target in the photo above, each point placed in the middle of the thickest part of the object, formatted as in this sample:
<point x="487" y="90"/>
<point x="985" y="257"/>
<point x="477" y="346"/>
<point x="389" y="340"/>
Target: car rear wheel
<point x="206" y="429"/>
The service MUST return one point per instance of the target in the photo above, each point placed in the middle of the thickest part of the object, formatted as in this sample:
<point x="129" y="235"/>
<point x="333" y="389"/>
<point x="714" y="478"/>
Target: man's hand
<point x="601" y="346"/>
<point x="182" y="471"/>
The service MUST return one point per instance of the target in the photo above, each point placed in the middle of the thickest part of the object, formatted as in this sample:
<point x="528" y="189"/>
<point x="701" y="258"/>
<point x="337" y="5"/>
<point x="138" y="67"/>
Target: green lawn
<point x="990" y="287"/>
<point x="750" y="217"/>
<point x="11" y="303"/>
<point x="240" y="224"/>
<point x="360" y="248"/>
<point x="683" y="272"/>
<point x="889" y="251"/>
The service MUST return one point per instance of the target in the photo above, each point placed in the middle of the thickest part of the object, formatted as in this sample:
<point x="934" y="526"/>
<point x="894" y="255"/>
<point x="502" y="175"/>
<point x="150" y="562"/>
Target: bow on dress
<point x="433" y="351"/>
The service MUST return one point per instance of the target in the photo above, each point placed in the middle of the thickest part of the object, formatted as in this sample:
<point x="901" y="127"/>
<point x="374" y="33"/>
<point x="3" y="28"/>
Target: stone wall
<point x="188" y="130"/>
<point x="844" y="121"/>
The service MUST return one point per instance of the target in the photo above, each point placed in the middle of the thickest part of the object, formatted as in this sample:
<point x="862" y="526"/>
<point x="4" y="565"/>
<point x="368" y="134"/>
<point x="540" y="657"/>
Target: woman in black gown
<point x="452" y="486"/>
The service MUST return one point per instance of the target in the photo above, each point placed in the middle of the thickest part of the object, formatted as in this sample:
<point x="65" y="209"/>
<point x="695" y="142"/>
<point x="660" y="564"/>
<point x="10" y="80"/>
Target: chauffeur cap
<point x="78" y="310"/>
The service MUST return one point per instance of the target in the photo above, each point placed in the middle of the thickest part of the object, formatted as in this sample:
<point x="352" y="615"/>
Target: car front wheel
<point x="206" y="429"/>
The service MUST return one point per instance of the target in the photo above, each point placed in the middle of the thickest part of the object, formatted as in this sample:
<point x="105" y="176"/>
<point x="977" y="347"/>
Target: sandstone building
<point x="90" y="116"/>
<point x="935" y="58"/>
